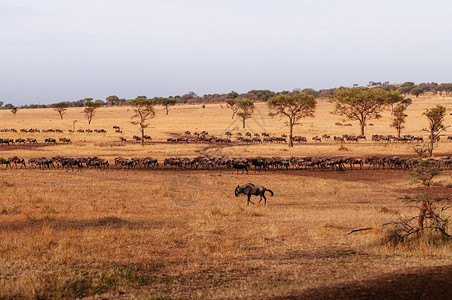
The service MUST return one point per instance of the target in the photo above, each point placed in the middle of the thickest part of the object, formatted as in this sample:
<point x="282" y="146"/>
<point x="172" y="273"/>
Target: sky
<point x="66" y="50"/>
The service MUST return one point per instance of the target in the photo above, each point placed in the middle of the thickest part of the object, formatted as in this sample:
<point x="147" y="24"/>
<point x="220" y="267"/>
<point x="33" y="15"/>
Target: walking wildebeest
<point x="250" y="189"/>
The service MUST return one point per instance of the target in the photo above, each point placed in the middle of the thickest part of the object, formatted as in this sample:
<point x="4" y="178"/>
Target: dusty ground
<point x="183" y="234"/>
<point x="416" y="283"/>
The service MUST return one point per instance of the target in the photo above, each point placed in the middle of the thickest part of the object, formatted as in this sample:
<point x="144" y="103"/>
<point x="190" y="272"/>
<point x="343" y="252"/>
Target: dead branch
<point x="360" y="229"/>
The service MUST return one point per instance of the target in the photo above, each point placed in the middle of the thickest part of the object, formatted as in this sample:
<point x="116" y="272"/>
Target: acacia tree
<point x="436" y="125"/>
<point x="143" y="111"/>
<point x="399" y="117"/>
<point x="166" y="102"/>
<point x="245" y="109"/>
<point x="112" y="100"/>
<point x="61" y="108"/>
<point x="361" y="104"/>
<point x="231" y="103"/>
<point x="393" y="97"/>
<point x="417" y="91"/>
<point x="294" y="107"/>
<point x="90" y="108"/>
<point x="232" y="95"/>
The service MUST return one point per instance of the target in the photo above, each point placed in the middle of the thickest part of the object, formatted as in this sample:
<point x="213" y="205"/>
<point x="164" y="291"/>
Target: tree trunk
<point x="166" y="108"/>
<point x="243" y="122"/>
<point x="142" y="136"/>
<point x="362" y="128"/>
<point x="431" y="143"/>
<point x="290" y="133"/>
<point x="426" y="207"/>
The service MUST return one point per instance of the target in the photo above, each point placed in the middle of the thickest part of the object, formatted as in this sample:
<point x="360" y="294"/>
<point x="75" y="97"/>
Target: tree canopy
<point x="166" y="102"/>
<point x="245" y="109"/>
<point x="294" y="107"/>
<point x="61" y="108"/>
<point x="362" y="104"/>
<point x="436" y="126"/>
<point x="90" y="108"/>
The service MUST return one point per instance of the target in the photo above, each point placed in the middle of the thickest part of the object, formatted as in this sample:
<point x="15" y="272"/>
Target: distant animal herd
<point x="204" y="137"/>
<point x="236" y="165"/>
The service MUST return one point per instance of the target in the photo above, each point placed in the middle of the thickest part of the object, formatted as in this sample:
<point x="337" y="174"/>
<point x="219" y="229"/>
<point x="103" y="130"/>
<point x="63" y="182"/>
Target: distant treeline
<point x="407" y="88"/>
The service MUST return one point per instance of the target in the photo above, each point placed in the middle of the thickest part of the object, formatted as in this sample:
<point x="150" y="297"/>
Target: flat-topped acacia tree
<point x="143" y="111"/>
<point x="245" y="109"/>
<point x="90" y="108"/>
<point x="294" y="107"/>
<point x="166" y="102"/>
<point x="61" y="108"/>
<point x="362" y="104"/>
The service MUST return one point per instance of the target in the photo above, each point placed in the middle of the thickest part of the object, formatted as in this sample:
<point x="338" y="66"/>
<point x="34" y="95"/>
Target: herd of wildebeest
<point x="204" y="137"/>
<point x="256" y="164"/>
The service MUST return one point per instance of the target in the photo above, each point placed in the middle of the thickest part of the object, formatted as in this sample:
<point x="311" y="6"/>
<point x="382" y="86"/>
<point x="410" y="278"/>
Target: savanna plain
<point x="165" y="233"/>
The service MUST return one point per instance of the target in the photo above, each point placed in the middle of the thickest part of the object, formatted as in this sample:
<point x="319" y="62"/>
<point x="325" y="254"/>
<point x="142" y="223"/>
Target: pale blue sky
<point x="55" y="50"/>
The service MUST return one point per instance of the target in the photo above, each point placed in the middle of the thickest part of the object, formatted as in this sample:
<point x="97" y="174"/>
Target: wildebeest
<point x="6" y="162"/>
<point x="50" y="141"/>
<point x="240" y="164"/>
<point x="17" y="161"/>
<point x="65" y="140"/>
<point x="250" y="189"/>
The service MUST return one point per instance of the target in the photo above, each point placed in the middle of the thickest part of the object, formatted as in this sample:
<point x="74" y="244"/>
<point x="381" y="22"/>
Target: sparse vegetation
<point x="436" y="126"/>
<point x="132" y="238"/>
<point x="143" y="111"/>
<point x="399" y="117"/>
<point x="90" y="109"/>
<point x="431" y="208"/>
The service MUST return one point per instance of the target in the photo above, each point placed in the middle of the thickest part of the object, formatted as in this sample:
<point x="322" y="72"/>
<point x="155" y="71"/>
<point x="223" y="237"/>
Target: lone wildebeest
<point x="250" y="189"/>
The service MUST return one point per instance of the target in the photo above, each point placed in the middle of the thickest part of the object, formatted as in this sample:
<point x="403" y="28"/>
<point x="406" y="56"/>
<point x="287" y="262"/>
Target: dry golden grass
<point x="216" y="119"/>
<point x="183" y="234"/>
